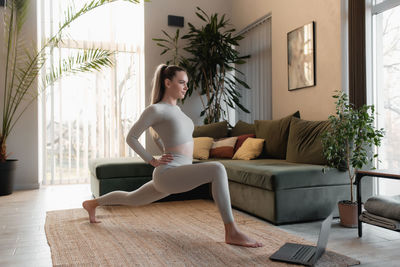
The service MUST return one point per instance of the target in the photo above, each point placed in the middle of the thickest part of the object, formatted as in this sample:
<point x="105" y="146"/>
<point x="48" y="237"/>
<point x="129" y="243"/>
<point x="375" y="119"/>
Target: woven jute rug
<point x="178" y="233"/>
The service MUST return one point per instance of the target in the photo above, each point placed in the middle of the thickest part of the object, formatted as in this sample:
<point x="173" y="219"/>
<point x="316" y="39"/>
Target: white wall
<point x="314" y="103"/>
<point x="22" y="144"/>
<point x="156" y="19"/>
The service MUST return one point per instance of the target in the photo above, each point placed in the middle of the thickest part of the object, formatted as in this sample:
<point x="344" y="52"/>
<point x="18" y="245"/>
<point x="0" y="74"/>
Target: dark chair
<point x="382" y="211"/>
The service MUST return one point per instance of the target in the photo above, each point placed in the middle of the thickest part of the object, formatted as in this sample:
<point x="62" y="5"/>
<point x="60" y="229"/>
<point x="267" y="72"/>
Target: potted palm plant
<point x="348" y="145"/>
<point x="23" y="64"/>
<point x="210" y="63"/>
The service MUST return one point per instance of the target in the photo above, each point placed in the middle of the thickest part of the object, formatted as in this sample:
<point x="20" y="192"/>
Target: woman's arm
<point x="159" y="143"/>
<point x="148" y="118"/>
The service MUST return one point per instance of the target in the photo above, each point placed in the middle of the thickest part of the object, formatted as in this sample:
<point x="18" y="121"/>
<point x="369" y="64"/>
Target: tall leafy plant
<point x="351" y="137"/>
<point x="210" y="60"/>
<point x="24" y="62"/>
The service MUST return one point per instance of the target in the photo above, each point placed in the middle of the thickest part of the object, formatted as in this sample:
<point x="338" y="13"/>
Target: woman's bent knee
<point x="220" y="171"/>
<point x="219" y="166"/>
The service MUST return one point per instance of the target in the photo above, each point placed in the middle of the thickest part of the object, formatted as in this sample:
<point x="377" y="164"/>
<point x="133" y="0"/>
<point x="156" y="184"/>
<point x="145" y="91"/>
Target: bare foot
<point x="90" y="206"/>
<point x="240" y="239"/>
<point x="234" y="236"/>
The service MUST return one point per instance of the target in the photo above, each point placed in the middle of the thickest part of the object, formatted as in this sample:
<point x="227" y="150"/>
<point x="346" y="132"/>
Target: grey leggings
<point x="179" y="175"/>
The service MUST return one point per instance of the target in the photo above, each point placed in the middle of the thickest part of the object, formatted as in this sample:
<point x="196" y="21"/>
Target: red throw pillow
<point x="241" y="139"/>
<point x="223" y="148"/>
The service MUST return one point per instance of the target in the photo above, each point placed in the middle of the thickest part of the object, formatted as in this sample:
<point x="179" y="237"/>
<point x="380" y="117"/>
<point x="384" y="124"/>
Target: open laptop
<point x="304" y="254"/>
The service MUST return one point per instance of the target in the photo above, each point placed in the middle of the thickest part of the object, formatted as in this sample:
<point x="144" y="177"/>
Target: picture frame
<point x="301" y="57"/>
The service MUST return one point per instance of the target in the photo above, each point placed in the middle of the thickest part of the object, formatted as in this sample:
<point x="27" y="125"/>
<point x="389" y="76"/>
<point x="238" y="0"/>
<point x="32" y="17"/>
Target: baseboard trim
<point x="26" y="186"/>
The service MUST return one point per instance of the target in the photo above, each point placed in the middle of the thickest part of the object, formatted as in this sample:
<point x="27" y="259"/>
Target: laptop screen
<point x="323" y="237"/>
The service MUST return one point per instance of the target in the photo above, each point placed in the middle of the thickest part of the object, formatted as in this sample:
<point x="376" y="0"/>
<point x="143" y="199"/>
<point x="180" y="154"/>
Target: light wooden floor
<point x="23" y="240"/>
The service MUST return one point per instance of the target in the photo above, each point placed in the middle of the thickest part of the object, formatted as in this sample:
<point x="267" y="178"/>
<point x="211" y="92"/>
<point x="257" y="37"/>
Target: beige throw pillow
<point x="250" y="149"/>
<point x="201" y="147"/>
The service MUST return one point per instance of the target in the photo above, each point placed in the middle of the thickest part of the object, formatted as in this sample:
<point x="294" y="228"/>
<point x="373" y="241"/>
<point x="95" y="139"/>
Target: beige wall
<point x="22" y="144"/>
<point x="155" y="17"/>
<point x="314" y="103"/>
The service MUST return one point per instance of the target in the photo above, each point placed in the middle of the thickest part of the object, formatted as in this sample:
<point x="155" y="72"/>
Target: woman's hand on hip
<point x="165" y="158"/>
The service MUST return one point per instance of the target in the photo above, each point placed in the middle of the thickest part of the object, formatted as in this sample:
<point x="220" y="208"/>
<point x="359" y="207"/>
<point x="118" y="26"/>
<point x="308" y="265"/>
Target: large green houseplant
<point x="349" y="145"/>
<point x="23" y="64"/>
<point x="210" y="58"/>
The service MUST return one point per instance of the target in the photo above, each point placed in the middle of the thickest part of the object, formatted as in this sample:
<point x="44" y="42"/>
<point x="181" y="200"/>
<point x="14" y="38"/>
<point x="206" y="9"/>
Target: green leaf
<point x="204" y="13"/>
<point x="167" y="34"/>
<point x="245" y="85"/>
<point x="162" y="45"/>
<point x="200" y="16"/>
<point x="160" y="40"/>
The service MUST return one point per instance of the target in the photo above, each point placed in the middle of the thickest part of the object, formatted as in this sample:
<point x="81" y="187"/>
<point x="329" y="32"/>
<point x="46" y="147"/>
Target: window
<point x="386" y="86"/>
<point x="88" y="116"/>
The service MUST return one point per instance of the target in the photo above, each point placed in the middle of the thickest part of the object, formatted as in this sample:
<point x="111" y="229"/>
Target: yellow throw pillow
<point x="250" y="149"/>
<point x="201" y="147"/>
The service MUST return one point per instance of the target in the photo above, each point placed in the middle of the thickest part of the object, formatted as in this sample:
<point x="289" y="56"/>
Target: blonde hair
<point x="162" y="73"/>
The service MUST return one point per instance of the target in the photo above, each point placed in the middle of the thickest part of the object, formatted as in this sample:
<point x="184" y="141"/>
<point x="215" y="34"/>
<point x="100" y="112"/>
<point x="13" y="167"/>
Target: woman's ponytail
<point x="157" y="92"/>
<point x="158" y="84"/>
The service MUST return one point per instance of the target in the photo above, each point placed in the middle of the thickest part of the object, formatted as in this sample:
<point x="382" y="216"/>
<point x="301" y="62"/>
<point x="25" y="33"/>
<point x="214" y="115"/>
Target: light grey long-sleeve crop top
<point x="171" y="124"/>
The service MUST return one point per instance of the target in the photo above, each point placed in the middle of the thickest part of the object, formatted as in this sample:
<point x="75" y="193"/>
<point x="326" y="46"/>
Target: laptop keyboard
<point x="304" y="253"/>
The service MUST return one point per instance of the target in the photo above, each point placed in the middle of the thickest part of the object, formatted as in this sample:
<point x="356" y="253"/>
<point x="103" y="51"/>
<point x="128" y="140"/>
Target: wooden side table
<point x="390" y="174"/>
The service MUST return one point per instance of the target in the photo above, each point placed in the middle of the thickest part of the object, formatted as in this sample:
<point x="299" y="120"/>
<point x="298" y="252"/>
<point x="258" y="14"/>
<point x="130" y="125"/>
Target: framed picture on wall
<point x="301" y="57"/>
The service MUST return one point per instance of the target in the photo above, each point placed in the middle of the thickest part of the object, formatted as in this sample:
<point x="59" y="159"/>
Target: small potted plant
<point x="348" y="145"/>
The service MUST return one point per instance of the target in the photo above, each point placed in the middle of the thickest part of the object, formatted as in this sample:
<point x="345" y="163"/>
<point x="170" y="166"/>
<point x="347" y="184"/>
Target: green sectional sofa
<point x="285" y="192"/>
<point x="277" y="189"/>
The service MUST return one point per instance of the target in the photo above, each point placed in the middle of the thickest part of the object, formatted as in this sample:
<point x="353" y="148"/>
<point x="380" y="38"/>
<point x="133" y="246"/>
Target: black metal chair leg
<point x="358" y="182"/>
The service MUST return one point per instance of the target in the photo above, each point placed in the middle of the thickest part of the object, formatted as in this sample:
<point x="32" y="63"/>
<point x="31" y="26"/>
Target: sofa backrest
<point x="290" y="138"/>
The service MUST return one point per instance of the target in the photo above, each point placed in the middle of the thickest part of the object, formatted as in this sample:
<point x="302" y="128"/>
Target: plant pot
<point x="7" y="174"/>
<point x="348" y="213"/>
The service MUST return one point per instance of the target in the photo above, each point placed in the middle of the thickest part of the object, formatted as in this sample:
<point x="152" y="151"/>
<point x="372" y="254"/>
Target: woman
<point x="174" y="171"/>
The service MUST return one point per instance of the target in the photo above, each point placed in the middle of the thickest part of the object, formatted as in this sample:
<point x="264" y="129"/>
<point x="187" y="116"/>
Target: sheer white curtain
<point x="386" y="94"/>
<point x="87" y="116"/>
<point x="257" y="73"/>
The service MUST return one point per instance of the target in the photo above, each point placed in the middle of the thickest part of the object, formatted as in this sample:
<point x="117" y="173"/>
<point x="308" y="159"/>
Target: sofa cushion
<point x="201" y="147"/>
<point x="275" y="133"/>
<point x="242" y="128"/>
<point x="223" y="148"/>
<point x="250" y="149"/>
<point x="288" y="206"/>
<point x="240" y="141"/>
<point x="215" y="130"/>
<point x="108" y="168"/>
<point x="305" y="142"/>
<point x="275" y="174"/>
